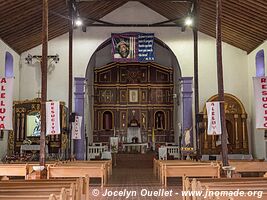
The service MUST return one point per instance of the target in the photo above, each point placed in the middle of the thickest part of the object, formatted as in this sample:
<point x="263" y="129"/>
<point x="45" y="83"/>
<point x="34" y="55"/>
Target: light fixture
<point x="78" y="21"/>
<point x="188" y="21"/>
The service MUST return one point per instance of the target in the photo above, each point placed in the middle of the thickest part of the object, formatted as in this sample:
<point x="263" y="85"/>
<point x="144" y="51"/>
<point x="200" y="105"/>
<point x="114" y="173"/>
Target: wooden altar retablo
<point x="26" y="127"/>
<point x="236" y="125"/>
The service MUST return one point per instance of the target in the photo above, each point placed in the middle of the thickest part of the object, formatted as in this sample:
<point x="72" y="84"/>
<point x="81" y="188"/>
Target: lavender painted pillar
<point x="79" y="145"/>
<point x="187" y="143"/>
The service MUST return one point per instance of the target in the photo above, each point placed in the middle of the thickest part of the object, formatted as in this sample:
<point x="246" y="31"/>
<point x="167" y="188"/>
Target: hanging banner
<point x="214" y="118"/>
<point x="260" y="95"/>
<point x="77" y="128"/>
<point x="6" y="103"/>
<point x="133" y="47"/>
<point x="52" y="118"/>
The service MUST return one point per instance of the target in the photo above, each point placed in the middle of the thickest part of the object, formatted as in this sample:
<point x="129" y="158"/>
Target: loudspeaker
<point x="72" y="117"/>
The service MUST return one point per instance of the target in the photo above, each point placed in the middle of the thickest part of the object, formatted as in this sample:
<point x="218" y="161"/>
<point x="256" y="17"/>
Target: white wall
<point x="259" y="147"/>
<point x="181" y="43"/>
<point x="3" y="49"/>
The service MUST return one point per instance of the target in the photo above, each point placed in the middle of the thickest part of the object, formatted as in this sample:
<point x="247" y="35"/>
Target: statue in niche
<point x="187" y="136"/>
<point x="159" y="120"/>
<point x="37" y="128"/>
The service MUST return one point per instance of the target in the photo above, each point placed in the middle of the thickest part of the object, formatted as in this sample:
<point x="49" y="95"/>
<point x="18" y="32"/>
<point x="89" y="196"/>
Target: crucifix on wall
<point x="30" y="58"/>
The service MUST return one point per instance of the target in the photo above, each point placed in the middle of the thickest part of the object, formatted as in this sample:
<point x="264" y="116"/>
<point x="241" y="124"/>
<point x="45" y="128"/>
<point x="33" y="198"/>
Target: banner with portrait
<point x="133" y="47"/>
<point x="6" y="103"/>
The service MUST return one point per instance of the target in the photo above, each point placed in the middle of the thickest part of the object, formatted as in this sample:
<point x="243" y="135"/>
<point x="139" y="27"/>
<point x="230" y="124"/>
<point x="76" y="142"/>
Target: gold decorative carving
<point x="236" y="131"/>
<point x="22" y="126"/>
<point x="133" y="96"/>
<point x="106" y="96"/>
<point x="64" y="143"/>
<point x="10" y="143"/>
<point x="21" y="110"/>
<point x="236" y="126"/>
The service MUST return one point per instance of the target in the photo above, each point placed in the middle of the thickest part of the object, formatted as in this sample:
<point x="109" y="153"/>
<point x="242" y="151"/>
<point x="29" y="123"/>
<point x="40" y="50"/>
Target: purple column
<point x="79" y="145"/>
<point x="187" y="143"/>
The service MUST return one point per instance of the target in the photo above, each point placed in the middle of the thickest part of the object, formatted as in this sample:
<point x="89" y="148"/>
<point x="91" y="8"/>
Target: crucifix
<point x="54" y="58"/>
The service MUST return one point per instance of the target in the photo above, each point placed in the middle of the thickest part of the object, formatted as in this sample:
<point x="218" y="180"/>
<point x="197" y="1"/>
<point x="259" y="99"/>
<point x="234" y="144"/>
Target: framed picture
<point x="133" y="96"/>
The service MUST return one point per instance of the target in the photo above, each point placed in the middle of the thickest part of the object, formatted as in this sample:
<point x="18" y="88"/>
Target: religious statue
<point x="159" y="121"/>
<point x="37" y="128"/>
<point x="187" y="137"/>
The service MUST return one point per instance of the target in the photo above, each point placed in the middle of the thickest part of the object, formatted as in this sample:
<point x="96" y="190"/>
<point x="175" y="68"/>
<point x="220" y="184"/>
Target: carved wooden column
<point x="213" y="144"/>
<point x="18" y="127"/>
<point x="206" y="143"/>
<point x="236" y="131"/>
<point x="245" y="139"/>
<point x="22" y="126"/>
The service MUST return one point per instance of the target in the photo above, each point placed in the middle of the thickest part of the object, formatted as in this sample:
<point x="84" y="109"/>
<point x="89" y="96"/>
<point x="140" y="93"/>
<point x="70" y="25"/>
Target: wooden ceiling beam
<point x="240" y="33"/>
<point x="227" y="18"/>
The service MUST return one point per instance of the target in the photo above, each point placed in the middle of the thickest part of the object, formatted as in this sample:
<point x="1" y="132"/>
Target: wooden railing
<point x="94" y="151"/>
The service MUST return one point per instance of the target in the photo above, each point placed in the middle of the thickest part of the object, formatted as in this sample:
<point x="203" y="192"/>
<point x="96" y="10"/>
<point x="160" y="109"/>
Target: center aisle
<point x="133" y="178"/>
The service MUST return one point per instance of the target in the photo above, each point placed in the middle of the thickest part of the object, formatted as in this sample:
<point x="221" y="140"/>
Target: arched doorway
<point x="101" y="69"/>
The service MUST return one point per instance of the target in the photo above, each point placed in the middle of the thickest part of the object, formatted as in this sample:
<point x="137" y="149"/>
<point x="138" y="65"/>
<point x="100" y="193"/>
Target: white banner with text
<point x="260" y="95"/>
<point x="77" y="128"/>
<point x="52" y="118"/>
<point x="214" y="118"/>
<point x="6" y="103"/>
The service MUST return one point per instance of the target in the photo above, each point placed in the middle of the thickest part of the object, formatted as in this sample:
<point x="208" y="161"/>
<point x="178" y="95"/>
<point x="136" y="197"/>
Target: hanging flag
<point x="214" y="118"/>
<point x="76" y="128"/>
<point x="52" y="118"/>
<point x="260" y="95"/>
<point x="6" y="103"/>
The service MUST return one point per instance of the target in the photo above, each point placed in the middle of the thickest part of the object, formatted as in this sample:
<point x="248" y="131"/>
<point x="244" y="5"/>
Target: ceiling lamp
<point x="78" y="21"/>
<point x="188" y="21"/>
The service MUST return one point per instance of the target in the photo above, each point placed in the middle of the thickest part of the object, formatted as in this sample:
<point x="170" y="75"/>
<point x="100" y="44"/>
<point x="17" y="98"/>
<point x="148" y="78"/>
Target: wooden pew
<point x="38" y="193"/>
<point x="209" y="186"/>
<point x="62" y="195"/>
<point x="249" y="166"/>
<point x="19" y="169"/>
<point x="29" y="189"/>
<point x="107" y="163"/>
<point x="160" y="164"/>
<point x="61" y="171"/>
<point x="7" y="170"/>
<point x="195" y="170"/>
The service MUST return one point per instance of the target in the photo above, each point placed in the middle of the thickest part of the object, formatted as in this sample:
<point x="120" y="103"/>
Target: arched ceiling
<point x="244" y="23"/>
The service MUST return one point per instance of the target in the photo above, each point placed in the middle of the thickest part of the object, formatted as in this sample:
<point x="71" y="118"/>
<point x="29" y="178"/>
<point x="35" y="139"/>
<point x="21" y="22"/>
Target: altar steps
<point x="136" y="161"/>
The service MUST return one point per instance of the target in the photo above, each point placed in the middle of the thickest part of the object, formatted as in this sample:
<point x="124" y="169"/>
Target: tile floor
<point x="133" y="178"/>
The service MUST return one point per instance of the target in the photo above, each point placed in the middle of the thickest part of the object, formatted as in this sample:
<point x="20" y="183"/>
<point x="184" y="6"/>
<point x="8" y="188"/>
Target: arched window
<point x="9" y="65"/>
<point x="260" y="65"/>
<point x="107" y="120"/>
<point x="159" y="120"/>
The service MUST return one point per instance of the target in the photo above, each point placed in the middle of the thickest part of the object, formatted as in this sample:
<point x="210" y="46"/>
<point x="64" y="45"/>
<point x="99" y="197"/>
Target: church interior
<point x="147" y="99"/>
